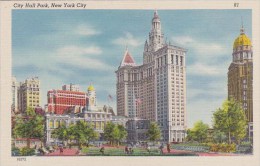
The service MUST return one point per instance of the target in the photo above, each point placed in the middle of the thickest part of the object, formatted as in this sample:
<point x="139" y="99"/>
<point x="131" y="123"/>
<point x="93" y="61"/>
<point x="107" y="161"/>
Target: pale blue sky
<point x="86" y="46"/>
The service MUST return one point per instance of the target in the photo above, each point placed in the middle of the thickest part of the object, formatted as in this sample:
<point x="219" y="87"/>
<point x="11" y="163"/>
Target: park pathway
<point x="175" y="151"/>
<point x="66" y="152"/>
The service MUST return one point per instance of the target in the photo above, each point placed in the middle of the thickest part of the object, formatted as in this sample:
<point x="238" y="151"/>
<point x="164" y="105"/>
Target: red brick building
<point x="61" y="100"/>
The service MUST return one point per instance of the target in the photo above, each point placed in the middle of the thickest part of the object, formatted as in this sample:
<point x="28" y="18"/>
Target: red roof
<point x="127" y="60"/>
<point x="67" y="92"/>
<point x="24" y="139"/>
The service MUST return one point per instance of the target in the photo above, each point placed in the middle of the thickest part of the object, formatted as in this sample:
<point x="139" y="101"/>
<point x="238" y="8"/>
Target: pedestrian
<point x="161" y="148"/>
<point x="61" y="150"/>
<point x="131" y="150"/>
<point x="148" y="149"/>
<point x="126" y="150"/>
<point x="102" y="150"/>
<point x="169" y="148"/>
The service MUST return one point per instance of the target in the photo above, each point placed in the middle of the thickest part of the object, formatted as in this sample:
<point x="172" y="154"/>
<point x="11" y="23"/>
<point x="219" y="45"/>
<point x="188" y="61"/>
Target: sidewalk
<point x="66" y="152"/>
<point x="174" y="151"/>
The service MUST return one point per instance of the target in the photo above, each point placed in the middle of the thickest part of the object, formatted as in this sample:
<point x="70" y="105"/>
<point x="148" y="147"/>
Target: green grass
<point x="93" y="151"/>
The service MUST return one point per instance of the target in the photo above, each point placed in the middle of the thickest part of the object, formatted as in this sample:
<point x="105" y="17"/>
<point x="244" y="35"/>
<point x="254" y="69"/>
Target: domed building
<point x="240" y="76"/>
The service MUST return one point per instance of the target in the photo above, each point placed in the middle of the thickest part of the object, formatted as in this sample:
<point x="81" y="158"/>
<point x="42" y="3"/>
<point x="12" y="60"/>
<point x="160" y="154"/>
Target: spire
<point x="127" y="60"/>
<point x="242" y="29"/>
<point x="146" y="46"/>
<point x="155" y="14"/>
<point x="156" y="39"/>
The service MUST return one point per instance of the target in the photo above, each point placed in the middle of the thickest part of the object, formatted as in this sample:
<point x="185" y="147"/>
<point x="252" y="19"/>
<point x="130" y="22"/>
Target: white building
<point x="155" y="90"/>
<point x="15" y="86"/>
<point x="98" y="117"/>
<point x="71" y="87"/>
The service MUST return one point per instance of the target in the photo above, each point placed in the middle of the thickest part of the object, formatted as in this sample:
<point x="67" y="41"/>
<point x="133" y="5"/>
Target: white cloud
<point x="202" y="69"/>
<point x="203" y="50"/>
<point x="86" y="30"/>
<point x="128" y="40"/>
<point x="76" y="50"/>
<point x="183" y="40"/>
<point x="215" y="92"/>
<point x="83" y="57"/>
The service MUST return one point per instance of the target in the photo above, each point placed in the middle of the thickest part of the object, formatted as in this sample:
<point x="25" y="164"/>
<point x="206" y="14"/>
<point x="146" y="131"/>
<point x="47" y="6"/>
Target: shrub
<point x="223" y="147"/>
<point x="15" y="151"/>
<point x="27" y="151"/>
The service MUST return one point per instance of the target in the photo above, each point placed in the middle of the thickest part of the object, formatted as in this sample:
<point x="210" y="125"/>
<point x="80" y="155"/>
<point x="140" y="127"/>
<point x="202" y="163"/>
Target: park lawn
<point x="113" y="151"/>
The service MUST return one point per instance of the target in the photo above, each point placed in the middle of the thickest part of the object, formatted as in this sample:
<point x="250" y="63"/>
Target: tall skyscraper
<point x="29" y="94"/>
<point x="155" y="90"/>
<point x="240" y="75"/>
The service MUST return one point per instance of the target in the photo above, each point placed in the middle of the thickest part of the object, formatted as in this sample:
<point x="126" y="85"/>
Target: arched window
<point x="63" y="123"/>
<point x="51" y="124"/>
<point x="57" y="124"/>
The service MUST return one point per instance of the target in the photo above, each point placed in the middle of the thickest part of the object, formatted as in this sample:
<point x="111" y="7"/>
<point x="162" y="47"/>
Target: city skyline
<point x="86" y="47"/>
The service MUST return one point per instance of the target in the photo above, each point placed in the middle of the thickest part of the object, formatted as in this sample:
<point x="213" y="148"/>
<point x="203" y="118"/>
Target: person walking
<point x="148" y="149"/>
<point x="61" y="150"/>
<point x="131" y="150"/>
<point x="161" y="148"/>
<point x="169" y="148"/>
<point x="126" y="150"/>
<point x="102" y="150"/>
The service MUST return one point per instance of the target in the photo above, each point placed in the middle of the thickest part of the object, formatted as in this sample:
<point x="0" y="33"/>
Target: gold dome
<point x="241" y="40"/>
<point x="91" y="88"/>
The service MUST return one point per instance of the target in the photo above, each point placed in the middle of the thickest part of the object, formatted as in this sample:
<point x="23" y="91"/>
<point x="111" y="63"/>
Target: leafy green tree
<point x="123" y="132"/>
<point x="108" y="132"/>
<point x="219" y="137"/>
<point x="190" y="135"/>
<point x="61" y="133"/>
<point x="154" y="132"/>
<point x="198" y="132"/>
<point x="114" y="133"/>
<point x="29" y="126"/>
<point x="231" y="120"/>
<point x="83" y="133"/>
<point x="30" y="112"/>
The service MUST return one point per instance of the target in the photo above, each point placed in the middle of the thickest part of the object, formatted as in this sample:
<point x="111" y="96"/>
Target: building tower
<point x="240" y="76"/>
<point x="15" y="87"/>
<point x="29" y="94"/>
<point x="155" y="90"/>
<point x="92" y="98"/>
<point x="125" y="86"/>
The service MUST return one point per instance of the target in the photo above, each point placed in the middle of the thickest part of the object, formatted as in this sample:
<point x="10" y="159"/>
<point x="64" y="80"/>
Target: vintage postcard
<point x="127" y="83"/>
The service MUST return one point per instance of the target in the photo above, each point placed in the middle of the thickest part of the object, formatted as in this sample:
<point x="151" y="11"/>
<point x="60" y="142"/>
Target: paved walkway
<point x="66" y="152"/>
<point x="174" y="151"/>
<point x="74" y="152"/>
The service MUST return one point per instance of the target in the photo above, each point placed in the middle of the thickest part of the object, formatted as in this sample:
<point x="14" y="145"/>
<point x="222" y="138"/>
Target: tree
<point x="190" y="135"/>
<point x="154" y="132"/>
<point x="29" y="126"/>
<point x="83" y="133"/>
<point x="219" y="136"/>
<point x="61" y="133"/>
<point x="198" y="132"/>
<point x="108" y="132"/>
<point x="114" y="133"/>
<point x="30" y="112"/>
<point x="123" y="132"/>
<point x="231" y="120"/>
